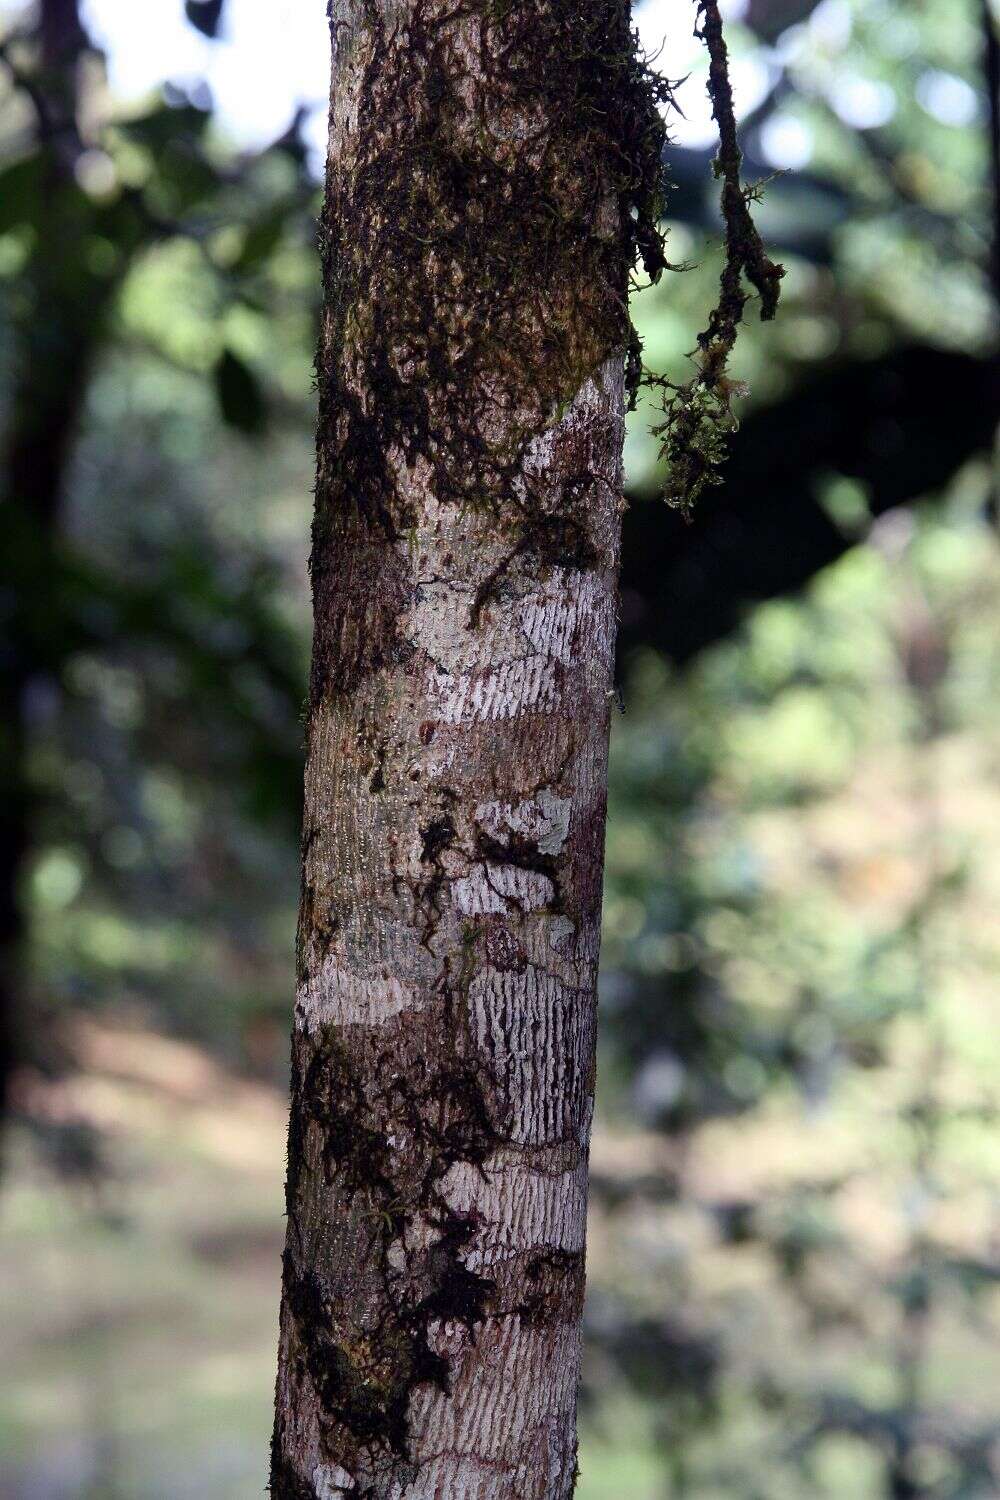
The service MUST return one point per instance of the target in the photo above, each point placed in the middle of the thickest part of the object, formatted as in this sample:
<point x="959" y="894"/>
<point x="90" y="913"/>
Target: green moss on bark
<point x="503" y="176"/>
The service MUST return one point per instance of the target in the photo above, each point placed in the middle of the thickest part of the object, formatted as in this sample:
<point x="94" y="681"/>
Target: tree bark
<point x="492" y="167"/>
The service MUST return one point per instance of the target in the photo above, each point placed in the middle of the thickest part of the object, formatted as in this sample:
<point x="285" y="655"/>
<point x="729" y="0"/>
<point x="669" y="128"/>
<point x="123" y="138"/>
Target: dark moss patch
<point x="364" y="1379"/>
<point x="390" y="1127"/>
<point x="476" y="243"/>
<point x="363" y="1382"/>
<point x="459" y="1295"/>
<point x="554" y="1284"/>
<point x="285" y="1483"/>
<point x="436" y="836"/>
<point x="523" y="853"/>
<point x="328" y="1091"/>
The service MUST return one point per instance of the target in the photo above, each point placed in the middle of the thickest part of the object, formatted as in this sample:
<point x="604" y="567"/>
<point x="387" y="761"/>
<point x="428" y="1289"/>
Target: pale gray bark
<point x="465" y="573"/>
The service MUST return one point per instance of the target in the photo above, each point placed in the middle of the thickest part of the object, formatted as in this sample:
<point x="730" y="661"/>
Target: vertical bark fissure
<point x="493" y="169"/>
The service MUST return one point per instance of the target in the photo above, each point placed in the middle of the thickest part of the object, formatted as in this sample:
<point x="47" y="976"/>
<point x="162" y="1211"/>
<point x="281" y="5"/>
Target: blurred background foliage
<point x="795" y="1236"/>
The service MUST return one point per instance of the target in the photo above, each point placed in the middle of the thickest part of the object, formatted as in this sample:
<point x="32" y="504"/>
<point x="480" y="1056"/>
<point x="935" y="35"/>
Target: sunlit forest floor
<point x="141" y="1328"/>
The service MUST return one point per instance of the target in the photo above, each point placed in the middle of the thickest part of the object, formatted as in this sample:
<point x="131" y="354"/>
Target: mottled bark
<point x="492" y="169"/>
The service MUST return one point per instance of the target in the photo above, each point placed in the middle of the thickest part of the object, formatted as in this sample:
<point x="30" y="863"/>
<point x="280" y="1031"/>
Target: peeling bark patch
<point x="542" y="1034"/>
<point x="544" y="820"/>
<point x="486" y="1444"/>
<point x="537" y="1210"/>
<point x="497" y="693"/>
<point x="331" y="1480"/>
<point x="497" y="888"/>
<point x="336" y="995"/>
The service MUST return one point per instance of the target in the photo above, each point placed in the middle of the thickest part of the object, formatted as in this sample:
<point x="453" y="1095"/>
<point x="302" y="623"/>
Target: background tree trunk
<point x="485" y="161"/>
<point x="56" y="328"/>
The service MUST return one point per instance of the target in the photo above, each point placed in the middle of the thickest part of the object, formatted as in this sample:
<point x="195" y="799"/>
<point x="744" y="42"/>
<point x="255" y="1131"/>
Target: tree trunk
<point x="56" y="326"/>
<point x="492" y="167"/>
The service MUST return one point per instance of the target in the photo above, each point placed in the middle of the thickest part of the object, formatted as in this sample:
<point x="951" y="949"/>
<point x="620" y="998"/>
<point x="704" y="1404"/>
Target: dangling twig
<point x="698" y="416"/>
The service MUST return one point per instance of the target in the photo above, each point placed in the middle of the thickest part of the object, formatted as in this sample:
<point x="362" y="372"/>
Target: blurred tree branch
<point x="901" y="425"/>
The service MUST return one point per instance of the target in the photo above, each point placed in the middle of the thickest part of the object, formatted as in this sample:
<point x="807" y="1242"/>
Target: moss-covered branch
<point x="698" y="415"/>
